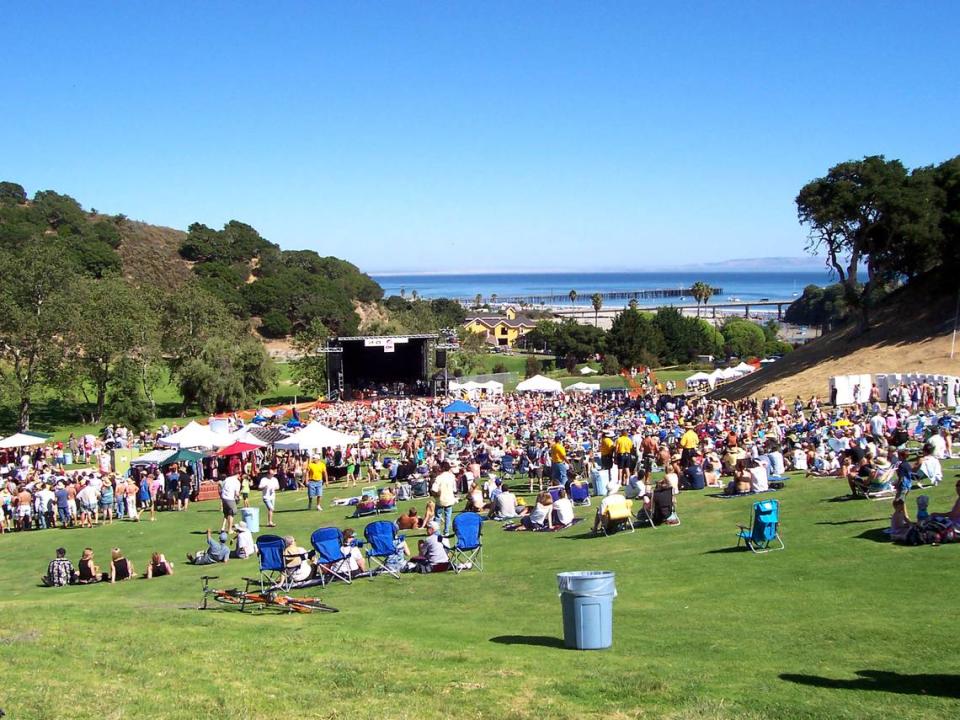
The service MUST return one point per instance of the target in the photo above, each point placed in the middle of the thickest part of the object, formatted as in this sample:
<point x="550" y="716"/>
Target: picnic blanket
<point x="721" y="496"/>
<point x="517" y="526"/>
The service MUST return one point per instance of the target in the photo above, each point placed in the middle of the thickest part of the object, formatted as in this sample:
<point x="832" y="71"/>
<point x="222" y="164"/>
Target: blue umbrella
<point x="459" y="406"/>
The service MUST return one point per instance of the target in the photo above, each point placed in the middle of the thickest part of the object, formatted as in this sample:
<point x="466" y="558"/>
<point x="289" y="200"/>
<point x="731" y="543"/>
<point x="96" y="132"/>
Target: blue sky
<point x="486" y="136"/>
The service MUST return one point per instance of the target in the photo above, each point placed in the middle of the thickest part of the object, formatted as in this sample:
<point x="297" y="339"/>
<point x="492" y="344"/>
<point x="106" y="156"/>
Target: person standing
<point x="229" y="495"/>
<point x="268" y="487"/>
<point x="316" y="477"/>
<point x="623" y="449"/>
<point x="558" y="461"/>
<point x="444" y="490"/>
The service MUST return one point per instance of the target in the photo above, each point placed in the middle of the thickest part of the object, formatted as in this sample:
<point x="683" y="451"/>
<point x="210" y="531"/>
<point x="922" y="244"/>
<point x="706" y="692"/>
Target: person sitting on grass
<point x="410" y="521"/>
<point x="541" y="517"/>
<point x="89" y="571"/>
<point x="217" y="550"/>
<point x="386" y="500"/>
<point x="505" y="505"/>
<point x="474" y="499"/>
<point x="245" y="547"/>
<point x="900" y="524"/>
<point x="120" y="567"/>
<point x="159" y="566"/>
<point x="60" y="571"/>
<point x="742" y="479"/>
<point x="562" y="509"/>
<point x="431" y="554"/>
<point x="952" y="517"/>
<point x="928" y="467"/>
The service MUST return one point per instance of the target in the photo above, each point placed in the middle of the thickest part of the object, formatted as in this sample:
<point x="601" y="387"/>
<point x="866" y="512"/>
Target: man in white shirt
<point x="505" y="504"/>
<point x="245" y="545"/>
<point x="939" y="445"/>
<point x="229" y="494"/>
<point x="268" y="487"/>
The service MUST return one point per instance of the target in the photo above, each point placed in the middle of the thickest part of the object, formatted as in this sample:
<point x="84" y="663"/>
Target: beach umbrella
<point x="842" y="422"/>
<point x="23" y="439"/>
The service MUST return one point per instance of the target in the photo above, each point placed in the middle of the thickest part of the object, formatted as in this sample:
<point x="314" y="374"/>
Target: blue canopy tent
<point x="460" y="407"/>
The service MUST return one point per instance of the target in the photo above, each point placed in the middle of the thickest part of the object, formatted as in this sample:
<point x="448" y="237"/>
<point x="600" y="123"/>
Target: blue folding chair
<point x="273" y="570"/>
<point x="328" y="544"/>
<point x="382" y="538"/>
<point x="580" y="492"/>
<point x="763" y="535"/>
<point x="468" y="551"/>
<point x="507" y="466"/>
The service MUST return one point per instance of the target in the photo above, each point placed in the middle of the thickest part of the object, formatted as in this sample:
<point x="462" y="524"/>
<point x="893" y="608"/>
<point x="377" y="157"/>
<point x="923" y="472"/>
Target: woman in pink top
<point x="156" y="490"/>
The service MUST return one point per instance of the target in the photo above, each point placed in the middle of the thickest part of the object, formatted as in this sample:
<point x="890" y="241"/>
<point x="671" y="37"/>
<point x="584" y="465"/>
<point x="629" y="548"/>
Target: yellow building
<point x="500" y="330"/>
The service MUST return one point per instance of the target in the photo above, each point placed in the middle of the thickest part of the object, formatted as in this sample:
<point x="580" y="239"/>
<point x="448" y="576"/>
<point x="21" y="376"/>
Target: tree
<point x="310" y="367"/>
<point x="872" y="212"/>
<point x="13" y="193"/>
<point x="275" y="325"/>
<point x="743" y="338"/>
<point x="477" y="300"/>
<point x="532" y="366"/>
<point x="632" y="304"/>
<point x="227" y="375"/>
<point x="635" y="339"/>
<point x="610" y="365"/>
<point x="573" y="297"/>
<point x="36" y="298"/>
<point x="493" y="298"/>
<point x="701" y="293"/>
<point x="597" y="301"/>
<point x="113" y="322"/>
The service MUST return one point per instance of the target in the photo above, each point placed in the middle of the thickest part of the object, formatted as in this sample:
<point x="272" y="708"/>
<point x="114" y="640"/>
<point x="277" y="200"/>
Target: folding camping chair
<point x="419" y="487"/>
<point x="664" y="507"/>
<point x="328" y="544"/>
<point x="580" y="492"/>
<point x="764" y="533"/>
<point x="617" y="514"/>
<point x="468" y="527"/>
<point x="273" y="570"/>
<point x="507" y="466"/>
<point x="381" y="536"/>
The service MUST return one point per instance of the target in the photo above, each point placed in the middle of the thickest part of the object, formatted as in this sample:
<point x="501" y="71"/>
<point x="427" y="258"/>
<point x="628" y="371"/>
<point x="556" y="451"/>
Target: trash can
<point x="251" y="516"/>
<point x="68" y="458"/>
<point x="587" y="601"/>
<point x="599" y="482"/>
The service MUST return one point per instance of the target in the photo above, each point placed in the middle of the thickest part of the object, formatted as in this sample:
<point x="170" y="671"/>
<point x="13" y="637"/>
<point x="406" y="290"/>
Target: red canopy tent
<point x="238" y="448"/>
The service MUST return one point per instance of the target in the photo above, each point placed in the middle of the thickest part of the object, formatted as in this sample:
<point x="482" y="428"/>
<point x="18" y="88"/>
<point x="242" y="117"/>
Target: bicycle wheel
<point x="227" y="598"/>
<point x="312" y="604"/>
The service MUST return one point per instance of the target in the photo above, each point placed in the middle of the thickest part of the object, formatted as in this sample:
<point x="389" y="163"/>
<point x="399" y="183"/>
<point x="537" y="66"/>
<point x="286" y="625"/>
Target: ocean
<point x="743" y="286"/>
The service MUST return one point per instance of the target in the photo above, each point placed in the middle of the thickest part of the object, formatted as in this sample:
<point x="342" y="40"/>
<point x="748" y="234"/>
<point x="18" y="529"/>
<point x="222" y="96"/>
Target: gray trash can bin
<point x="251" y="516"/>
<point x="586" y="597"/>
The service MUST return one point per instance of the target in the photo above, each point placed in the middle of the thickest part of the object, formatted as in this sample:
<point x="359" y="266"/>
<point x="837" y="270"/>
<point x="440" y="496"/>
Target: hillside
<point x="910" y="332"/>
<point x="150" y="254"/>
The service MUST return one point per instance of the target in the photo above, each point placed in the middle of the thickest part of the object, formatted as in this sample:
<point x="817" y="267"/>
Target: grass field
<point x="840" y="625"/>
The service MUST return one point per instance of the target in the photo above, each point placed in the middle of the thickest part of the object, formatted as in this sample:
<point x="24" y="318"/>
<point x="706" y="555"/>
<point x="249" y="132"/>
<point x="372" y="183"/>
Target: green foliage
<point x="310" y="367"/>
<point x="819" y="306"/>
<point x="742" y="338"/>
<point x="532" y="366"/>
<point x="634" y="336"/>
<point x="12" y="193"/>
<point x="226" y="375"/>
<point x="275" y="325"/>
<point x="499" y="368"/>
<point x="127" y="403"/>
<point x="610" y="365"/>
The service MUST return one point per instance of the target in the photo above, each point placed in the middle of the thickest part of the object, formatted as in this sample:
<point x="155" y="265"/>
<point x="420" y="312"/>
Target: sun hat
<point x="241" y="526"/>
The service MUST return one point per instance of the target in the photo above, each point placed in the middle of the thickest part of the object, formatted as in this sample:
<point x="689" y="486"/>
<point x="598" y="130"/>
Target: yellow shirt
<point x="606" y="446"/>
<point x="624" y="445"/>
<point x="558" y="453"/>
<point x="689" y="440"/>
<point x="316" y="469"/>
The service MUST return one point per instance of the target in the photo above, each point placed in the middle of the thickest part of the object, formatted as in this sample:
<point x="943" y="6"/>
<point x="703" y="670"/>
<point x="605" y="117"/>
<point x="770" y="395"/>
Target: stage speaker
<point x="441" y="359"/>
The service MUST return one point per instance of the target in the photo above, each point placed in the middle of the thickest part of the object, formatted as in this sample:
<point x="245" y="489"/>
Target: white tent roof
<point x="587" y="370"/>
<point x="245" y="434"/>
<point x="717" y="375"/>
<point x="743" y="367"/>
<point x="492" y="386"/>
<point x="582" y="387"/>
<point x="315" y="436"/>
<point x="730" y="373"/>
<point x="21" y="440"/>
<point x="699" y="377"/>
<point x="195" y="435"/>
<point x="539" y="383"/>
<point x="154" y="457"/>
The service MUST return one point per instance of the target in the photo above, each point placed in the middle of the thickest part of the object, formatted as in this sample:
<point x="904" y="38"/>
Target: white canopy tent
<point x="745" y="368"/>
<point x="315" y="436"/>
<point x="245" y="434"/>
<point x="699" y="378"/>
<point x="474" y="389"/>
<point x="154" y="457"/>
<point x="21" y="440"/>
<point x="195" y="435"/>
<point x="583" y="387"/>
<point x="539" y="383"/>
<point x="587" y="370"/>
<point x="716" y="376"/>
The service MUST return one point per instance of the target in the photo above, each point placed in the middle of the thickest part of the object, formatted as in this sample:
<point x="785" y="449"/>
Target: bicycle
<point x="266" y="599"/>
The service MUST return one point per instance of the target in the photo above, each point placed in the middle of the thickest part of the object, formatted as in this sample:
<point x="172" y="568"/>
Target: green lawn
<point x="840" y="625"/>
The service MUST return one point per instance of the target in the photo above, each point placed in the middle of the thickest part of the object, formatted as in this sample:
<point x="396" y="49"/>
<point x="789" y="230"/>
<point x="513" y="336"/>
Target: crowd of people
<point x="540" y="443"/>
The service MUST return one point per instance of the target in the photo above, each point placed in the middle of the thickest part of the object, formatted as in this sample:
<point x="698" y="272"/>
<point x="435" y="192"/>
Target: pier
<point x="553" y="299"/>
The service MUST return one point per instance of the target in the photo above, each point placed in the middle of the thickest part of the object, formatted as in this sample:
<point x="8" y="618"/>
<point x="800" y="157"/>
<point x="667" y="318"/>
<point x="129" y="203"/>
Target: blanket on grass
<point x="519" y="526"/>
